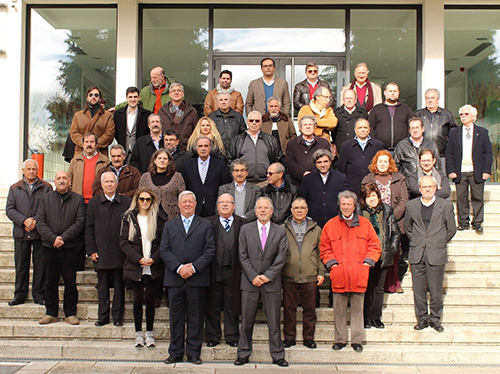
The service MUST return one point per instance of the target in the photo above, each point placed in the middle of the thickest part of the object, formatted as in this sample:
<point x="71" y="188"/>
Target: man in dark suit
<point x="146" y="145"/>
<point x="187" y="248"/>
<point x="348" y="114"/>
<point x="226" y="275"/>
<point x="171" y="141"/>
<point x="131" y="122"/>
<point x="203" y="175"/>
<point x="429" y="224"/>
<point x="245" y="194"/>
<point x="263" y="247"/>
<point x="469" y="157"/>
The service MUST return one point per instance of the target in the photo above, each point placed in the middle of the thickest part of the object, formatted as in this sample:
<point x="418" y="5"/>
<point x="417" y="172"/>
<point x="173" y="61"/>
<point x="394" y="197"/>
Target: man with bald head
<point x="229" y="121"/>
<point x="22" y="204"/>
<point x="61" y="223"/>
<point x="225" y="280"/>
<point x="348" y="113"/>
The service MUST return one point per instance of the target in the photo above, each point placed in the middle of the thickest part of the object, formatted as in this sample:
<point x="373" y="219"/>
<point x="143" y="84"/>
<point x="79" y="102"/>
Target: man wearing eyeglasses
<point x="261" y="89"/>
<point x="280" y="191"/>
<point x="93" y="119"/>
<point x="469" y="157"/>
<point x="258" y="148"/>
<point x="326" y="120"/>
<point x="303" y="91"/>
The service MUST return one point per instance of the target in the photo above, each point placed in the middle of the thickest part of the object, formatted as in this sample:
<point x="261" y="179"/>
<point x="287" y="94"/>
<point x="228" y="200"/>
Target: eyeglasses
<point x="268" y="66"/>
<point x="93" y="94"/>
<point x="225" y="202"/>
<point x="254" y="120"/>
<point x="326" y="97"/>
<point x="312" y="71"/>
<point x="464" y="114"/>
<point x="176" y="91"/>
<point x="271" y="173"/>
<point x="299" y="208"/>
<point x="145" y="199"/>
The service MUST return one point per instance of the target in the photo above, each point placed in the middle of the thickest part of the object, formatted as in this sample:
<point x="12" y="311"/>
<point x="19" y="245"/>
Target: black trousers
<point x="223" y="300"/>
<point x="374" y="295"/>
<point x="22" y="255"/>
<point x="151" y="286"/>
<point x="60" y="262"/>
<point x="186" y="301"/>
<point x="104" y="279"/>
<point x="476" y="196"/>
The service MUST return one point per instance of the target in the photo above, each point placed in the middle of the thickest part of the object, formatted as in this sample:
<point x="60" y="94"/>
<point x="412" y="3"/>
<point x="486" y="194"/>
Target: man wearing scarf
<point x="93" y="119"/>
<point x="224" y="86"/>
<point x="369" y="94"/>
<point x="278" y="124"/>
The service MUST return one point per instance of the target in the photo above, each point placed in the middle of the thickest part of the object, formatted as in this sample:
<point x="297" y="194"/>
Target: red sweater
<point x="88" y="176"/>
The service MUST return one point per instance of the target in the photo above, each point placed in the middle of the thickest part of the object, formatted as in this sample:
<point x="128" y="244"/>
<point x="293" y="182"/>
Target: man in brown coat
<point x="277" y="123"/>
<point x="224" y="86"/>
<point x="93" y="119"/>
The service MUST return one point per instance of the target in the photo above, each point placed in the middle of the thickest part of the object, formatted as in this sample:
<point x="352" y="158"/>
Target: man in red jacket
<point x="349" y="247"/>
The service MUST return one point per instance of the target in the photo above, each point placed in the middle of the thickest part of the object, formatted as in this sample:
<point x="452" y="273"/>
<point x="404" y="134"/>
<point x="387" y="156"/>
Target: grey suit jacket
<point x="252" y="193"/>
<point x="433" y="239"/>
<point x="256" y="97"/>
<point x="255" y="261"/>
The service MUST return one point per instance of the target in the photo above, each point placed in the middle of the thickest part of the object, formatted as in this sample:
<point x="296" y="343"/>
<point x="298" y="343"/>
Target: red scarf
<point x="368" y="105"/>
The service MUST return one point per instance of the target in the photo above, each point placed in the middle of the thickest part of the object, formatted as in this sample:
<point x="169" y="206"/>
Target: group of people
<point x="226" y="212"/>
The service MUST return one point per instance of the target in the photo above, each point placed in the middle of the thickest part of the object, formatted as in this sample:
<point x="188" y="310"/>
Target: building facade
<point x="51" y="51"/>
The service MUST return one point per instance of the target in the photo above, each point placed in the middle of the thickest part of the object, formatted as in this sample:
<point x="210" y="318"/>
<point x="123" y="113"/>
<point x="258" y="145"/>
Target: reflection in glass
<point x="472" y="65"/>
<point x="71" y="49"/>
<point x="386" y="40"/>
<point x="177" y="40"/>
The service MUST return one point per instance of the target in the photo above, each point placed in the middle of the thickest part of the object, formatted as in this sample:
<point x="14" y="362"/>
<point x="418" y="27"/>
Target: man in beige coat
<point x="368" y="93"/>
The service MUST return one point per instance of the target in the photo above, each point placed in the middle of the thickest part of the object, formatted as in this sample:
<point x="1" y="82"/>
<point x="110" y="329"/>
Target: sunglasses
<point x="254" y="120"/>
<point x="312" y="71"/>
<point x="464" y="114"/>
<point x="145" y="199"/>
<point x="93" y="94"/>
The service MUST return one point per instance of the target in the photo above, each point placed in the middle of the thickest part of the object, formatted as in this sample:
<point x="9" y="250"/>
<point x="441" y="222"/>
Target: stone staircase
<point x="471" y="316"/>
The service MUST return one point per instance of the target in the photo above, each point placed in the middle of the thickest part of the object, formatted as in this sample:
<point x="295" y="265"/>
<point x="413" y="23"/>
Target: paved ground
<point x="76" y="367"/>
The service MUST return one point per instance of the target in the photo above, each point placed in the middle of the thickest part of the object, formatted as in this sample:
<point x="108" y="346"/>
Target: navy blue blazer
<point x="196" y="247"/>
<point x="482" y="153"/>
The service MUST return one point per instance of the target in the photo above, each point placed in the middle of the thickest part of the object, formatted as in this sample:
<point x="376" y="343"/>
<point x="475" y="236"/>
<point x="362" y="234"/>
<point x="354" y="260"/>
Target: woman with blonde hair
<point x="140" y="238"/>
<point x="207" y="127"/>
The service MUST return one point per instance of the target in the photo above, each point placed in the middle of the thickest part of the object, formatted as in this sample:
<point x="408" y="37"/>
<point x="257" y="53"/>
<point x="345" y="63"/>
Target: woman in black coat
<point x="382" y="218"/>
<point x="140" y="238"/>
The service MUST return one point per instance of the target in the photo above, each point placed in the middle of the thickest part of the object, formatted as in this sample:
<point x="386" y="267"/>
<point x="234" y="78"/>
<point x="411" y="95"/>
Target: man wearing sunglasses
<point x="303" y="91"/>
<point x="93" y="118"/>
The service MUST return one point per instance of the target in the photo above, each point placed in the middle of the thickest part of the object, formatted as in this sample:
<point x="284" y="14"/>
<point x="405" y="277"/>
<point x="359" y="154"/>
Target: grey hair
<point x="29" y="160"/>
<point x="223" y="94"/>
<point x="320" y="153"/>
<point x="174" y="85"/>
<point x="238" y="161"/>
<point x="473" y="110"/>
<point x="185" y="193"/>
<point x="118" y="146"/>
<point x="274" y="98"/>
<point x="264" y="198"/>
<point x="256" y="112"/>
<point x="224" y="194"/>
<point x="312" y="63"/>
<point x="109" y="172"/>
<point x="202" y="137"/>
<point x="428" y="176"/>
<point x="307" y="117"/>
<point x="154" y="115"/>
<point x="361" y="64"/>
<point x="347" y="195"/>
<point x="350" y="90"/>
<point x="300" y="199"/>
<point x="279" y="167"/>
<point x="319" y="91"/>
<point x="359" y="120"/>
<point x="433" y="90"/>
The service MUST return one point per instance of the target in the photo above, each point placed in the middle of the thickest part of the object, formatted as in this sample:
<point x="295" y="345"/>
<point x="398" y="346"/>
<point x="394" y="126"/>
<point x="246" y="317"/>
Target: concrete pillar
<point x="127" y="40"/>
<point x="433" y="48"/>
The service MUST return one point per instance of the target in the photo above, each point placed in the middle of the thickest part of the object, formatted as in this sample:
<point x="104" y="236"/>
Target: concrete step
<point x="470" y="236"/>
<point x="464" y="280"/>
<point x="87" y="277"/>
<point x="452" y="297"/>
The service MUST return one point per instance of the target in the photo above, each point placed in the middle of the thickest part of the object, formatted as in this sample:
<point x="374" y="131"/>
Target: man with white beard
<point x="278" y="124"/>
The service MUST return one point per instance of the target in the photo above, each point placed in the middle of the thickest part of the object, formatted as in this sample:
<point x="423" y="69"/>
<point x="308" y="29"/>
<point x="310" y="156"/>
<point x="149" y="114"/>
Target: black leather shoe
<point x="212" y="343"/>
<point x="436" y="326"/>
<point x="100" y="323"/>
<point x="462" y="227"/>
<point x="310" y="344"/>
<point x="195" y="360"/>
<point x="40" y="302"/>
<point x="478" y="227"/>
<point x="241" y="361"/>
<point x="377" y="324"/>
<point x="15" y="301"/>
<point x="357" y="348"/>
<point x="338" y="346"/>
<point x="118" y="323"/>
<point x="422" y="324"/>
<point x="233" y="344"/>
<point x="368" y="325"/>
<point x="172" y="360"/>
<point x="281" y="362"/>
<point x="287" y="343"/>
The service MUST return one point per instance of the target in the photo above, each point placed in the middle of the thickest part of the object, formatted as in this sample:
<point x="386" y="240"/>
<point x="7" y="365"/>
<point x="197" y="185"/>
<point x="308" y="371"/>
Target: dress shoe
<point x="357" y="348"/>
<point x="100" y="323"/>
<point x="157" y="303"/>
<point x="48" y="319"/>
<point x="478" y="227"/>
<point x="15" y="301"/>
<point x="436" y="326"/>
<point x="310" y="344"/>
<point x="40" y="302"/>
<point x="287" y="343"/>
<point x="195" y="360"/>
<point x="368" y="325"/>
<point x="462" y="227"/>
<point x="281" y="362"/>
<point x="118" y="323"/>
<point x="338" y="346"/>
<point x="422" y="324"/>
<point x="241" y="361"/>
<point x="72" y="320"/>
<point x="400" y="290"/>
<point x="212" y="343"/>
<point x="377" y="324"/>
<point x="172" y="360"/>
<point x="233" y="344"/>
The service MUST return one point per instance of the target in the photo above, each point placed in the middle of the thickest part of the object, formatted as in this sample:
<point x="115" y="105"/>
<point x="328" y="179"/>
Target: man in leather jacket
<point x="303" y="91"/>
<point x="281" y="193"/>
